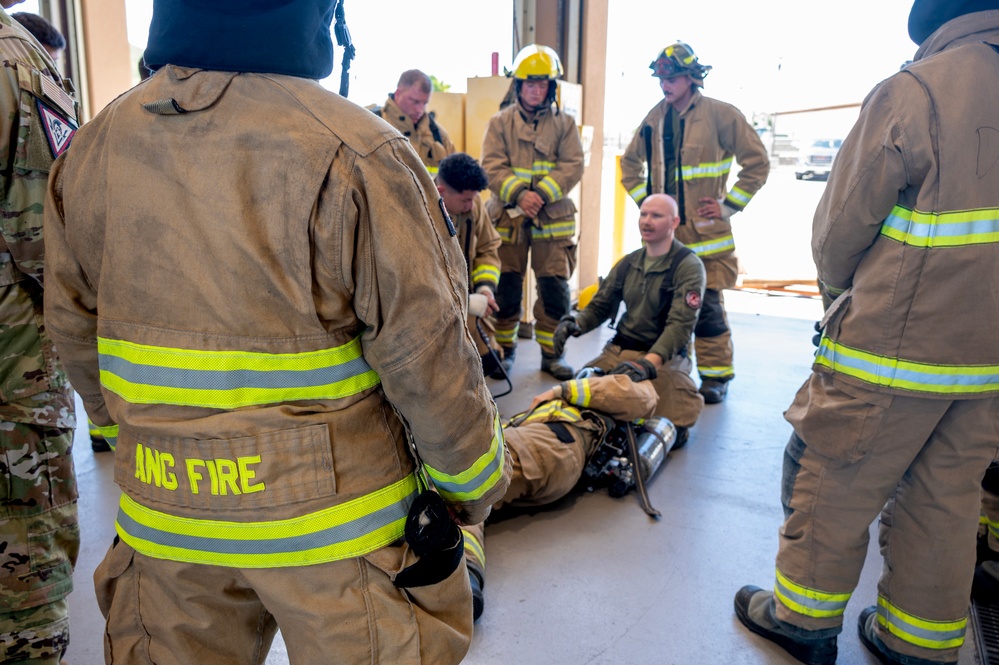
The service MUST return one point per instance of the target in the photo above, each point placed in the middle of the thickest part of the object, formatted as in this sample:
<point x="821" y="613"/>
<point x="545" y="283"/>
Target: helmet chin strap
<point x="343" y="39"/>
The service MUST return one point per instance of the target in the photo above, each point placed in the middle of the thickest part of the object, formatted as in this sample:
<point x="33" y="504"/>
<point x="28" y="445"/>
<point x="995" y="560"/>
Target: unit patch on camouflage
<point x="58" y="130"/>
<point x="693" y="300"/>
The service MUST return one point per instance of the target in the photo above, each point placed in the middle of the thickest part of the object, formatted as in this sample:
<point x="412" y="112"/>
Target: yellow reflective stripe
<point x="809" y="602"/>
<point x="942" y="229"/>
<point x="505" y="233"/>
<point x="715" y="371"/>
<point x="542" y="167"/>
<point x="473" y="548"/>
<point x="544" y="339"/>
<point x="740" y="197"/>
<point x="510" y="185"/>
<point x="564" y="229"/>
<point x="432" y="170"/>
<point x="716" y="246"/>
<point x="906" y="374"/>
<point x="707" y="169"/>
<point x="109" y="433"/>
<point x="507" y="337"/>
<point x="485" y="273"/>
<point x="553" y="410"/>
<point x="579" y="392"/>
<point x="142" y="374"/>
<point x="833" y="291"/>
<point x="639" y="193"/>
<point x="474" y="482"/>
<point x="921" y="632"/>
<point x="551" y="188"/>
<point x="344" y="531"/>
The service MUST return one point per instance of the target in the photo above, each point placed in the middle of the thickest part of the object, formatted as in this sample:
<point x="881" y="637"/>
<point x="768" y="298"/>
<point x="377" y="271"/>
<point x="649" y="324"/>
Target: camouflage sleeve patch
<point x="58" y="130"/>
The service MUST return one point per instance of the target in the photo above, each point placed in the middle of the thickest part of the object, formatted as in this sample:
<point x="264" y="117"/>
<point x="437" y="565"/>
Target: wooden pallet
<point x="801" y="287"/>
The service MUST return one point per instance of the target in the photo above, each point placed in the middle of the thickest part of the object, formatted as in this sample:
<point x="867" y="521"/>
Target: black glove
<point x="566" y="326"/>
<point x="817" y="337"/>
<point x="636" y="370"/>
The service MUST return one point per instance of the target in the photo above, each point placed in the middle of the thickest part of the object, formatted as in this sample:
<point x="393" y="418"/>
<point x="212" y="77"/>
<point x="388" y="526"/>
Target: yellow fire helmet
<point x="586" y="295"/>
<point x="679" y="60"/>
<point x="536" y="62"/>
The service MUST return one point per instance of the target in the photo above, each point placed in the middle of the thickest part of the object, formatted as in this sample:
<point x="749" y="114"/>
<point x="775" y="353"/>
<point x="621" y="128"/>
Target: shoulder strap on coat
<point x="666" y="288"/>
<point x="434" y="129"/>
<point x="619" y="285"/>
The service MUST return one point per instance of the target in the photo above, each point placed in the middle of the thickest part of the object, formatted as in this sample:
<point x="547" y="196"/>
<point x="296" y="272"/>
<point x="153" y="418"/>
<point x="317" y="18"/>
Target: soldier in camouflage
<point x="39" y="534"/>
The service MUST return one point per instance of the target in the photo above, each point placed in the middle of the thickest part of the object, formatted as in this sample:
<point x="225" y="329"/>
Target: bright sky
<point x="770" y="56"/>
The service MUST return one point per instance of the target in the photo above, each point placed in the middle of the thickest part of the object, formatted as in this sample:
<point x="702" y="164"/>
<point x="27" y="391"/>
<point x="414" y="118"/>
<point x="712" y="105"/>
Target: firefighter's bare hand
<point x="546" y="396"/>
<point x="531" y="203"/>
<point x="709" y="208"/>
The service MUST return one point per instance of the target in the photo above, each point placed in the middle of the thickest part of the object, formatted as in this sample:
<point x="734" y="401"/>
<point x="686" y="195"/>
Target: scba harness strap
<point x="666" y="288"/>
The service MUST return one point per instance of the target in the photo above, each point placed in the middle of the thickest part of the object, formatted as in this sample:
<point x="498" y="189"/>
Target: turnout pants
<point x="678" y="397"/>
<point x="712" y="335"/>
<point x="545" y="469"/>
<point x="348" y="611"/>
<point x="917" y="462"/>
<point x="552" y="262"/>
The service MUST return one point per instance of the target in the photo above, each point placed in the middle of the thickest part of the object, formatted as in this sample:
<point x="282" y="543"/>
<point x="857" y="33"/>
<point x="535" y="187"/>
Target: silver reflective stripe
<point x="923" y="636"/>
<point x="205" y="379"/>
<point x="333" y="535"/>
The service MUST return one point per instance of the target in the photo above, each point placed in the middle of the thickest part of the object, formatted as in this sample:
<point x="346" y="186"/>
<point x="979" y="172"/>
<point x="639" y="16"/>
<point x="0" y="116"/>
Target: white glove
<point x="477" y="304"/>
<point x="486" y="291"/>
<point x="726" y="210"/>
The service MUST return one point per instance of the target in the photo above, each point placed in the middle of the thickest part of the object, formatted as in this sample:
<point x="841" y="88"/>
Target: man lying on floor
<point x="552" y="442"/>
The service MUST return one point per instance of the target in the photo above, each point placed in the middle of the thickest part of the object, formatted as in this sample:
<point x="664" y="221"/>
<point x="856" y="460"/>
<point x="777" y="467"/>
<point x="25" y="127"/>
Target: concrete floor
<point x="593" y="580"/>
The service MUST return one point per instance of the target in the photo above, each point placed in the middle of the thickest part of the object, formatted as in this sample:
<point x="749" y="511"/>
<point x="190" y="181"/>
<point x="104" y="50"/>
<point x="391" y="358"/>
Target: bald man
<point x="662" y="287"/>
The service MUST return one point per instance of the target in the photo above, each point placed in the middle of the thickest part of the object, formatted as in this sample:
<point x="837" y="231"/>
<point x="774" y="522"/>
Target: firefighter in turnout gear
<point x="246" y="330"/>
<point x="551" y="442"/>
<point x="406" y="110"/>
<point x="900" y="416"/>
<point x="459" y="181"/>
<point x="685" y="147"/>
<point x="533" y="156"/>
<point x="661" y="286"/>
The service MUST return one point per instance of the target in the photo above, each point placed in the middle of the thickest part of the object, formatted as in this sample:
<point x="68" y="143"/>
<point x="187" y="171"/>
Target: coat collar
<point x="966" y="29"/>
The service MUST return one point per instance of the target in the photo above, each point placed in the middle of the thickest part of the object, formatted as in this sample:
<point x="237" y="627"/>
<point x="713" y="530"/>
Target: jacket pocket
<point x="564" y="208"/>
<point x="837" y="420"/>
<point x="833" y="317"/>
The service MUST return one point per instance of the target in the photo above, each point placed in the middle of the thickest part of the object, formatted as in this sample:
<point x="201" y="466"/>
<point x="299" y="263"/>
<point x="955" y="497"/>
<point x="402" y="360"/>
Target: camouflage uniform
<point x="39" y="536"/>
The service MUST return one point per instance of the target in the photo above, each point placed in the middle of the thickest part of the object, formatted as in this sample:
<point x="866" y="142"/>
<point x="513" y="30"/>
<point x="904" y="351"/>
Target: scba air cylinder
<point x="655" y="440"/>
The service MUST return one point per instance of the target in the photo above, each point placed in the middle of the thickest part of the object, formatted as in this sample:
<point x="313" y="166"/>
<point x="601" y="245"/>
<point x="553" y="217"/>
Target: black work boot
<point x="985" y="583"/>
<point x="713" y="390"/>
<point x="682" y="435"/>
<point x="866" y="623"/>
<point x="556" y="366"/>
<point x="509" y="353"/>
<point x="755" y="609"/>
<point x="478" y="600"/>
